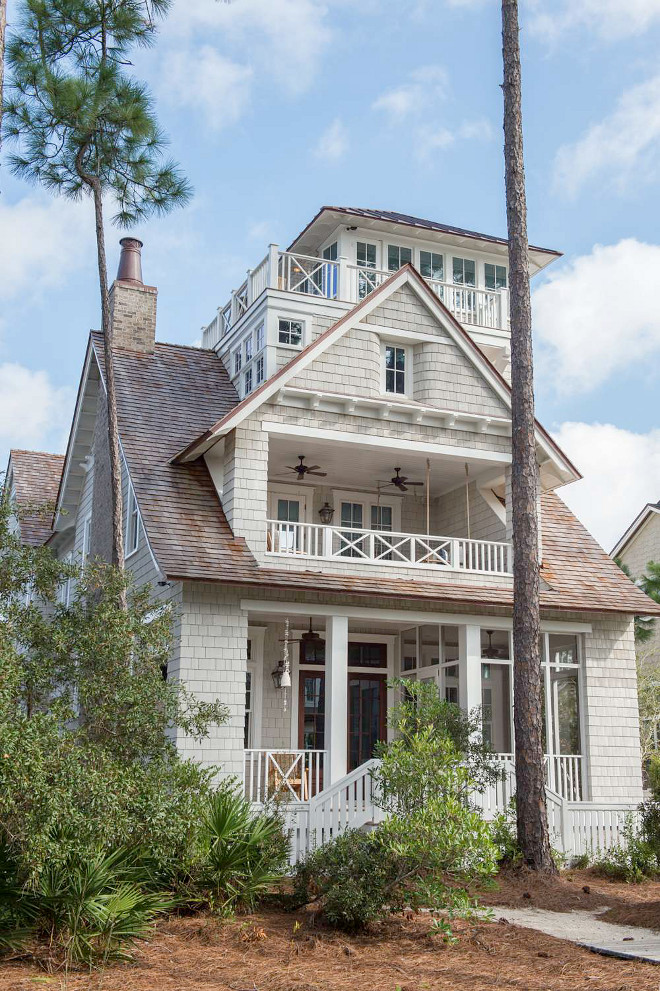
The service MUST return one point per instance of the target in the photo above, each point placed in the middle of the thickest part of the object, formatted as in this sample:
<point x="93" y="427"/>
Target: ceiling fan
<point x="401" y="482"/>
<point x="302" y="469"/>
<point x="309" y="636"/>
<point x="493" y="653"/>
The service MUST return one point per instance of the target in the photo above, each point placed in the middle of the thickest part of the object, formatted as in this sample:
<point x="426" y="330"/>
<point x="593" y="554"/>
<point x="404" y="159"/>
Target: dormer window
<point x="495" y="276"/>
<point x="395" y="369"/>
<point x="290" y="332"/>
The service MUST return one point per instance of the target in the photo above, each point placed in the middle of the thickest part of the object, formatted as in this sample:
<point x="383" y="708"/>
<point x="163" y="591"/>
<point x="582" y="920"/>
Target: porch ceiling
<point x="361" y="466"/>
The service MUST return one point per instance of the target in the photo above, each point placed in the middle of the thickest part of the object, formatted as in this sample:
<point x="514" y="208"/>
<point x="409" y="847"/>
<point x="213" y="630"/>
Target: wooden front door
<point x="367" y="705"/>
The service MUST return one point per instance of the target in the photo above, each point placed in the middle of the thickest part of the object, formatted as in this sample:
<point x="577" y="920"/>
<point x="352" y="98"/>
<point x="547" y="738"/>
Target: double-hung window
<point x="397" y="256"/>
<point x="247" y="348"/>
<point x="259" y="367"/>
<point x="495" y="276"/>
<point x="366" y="254"/>
<point x="247" y="382"/>
<point x="395" y="369"/>
<point x="290" y="332"/>
<point x="238" y="361"/>
<point x="432" y="265"/>
<point x="259" y="338"/>
<point x="464" y="271"/>
<point x="132" y="523"/>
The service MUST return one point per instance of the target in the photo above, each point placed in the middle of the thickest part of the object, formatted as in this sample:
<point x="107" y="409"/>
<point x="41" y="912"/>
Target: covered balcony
<point x="337" y="279"/>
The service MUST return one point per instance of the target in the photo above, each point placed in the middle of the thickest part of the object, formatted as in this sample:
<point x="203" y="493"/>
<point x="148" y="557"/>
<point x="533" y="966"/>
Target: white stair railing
<point x="285" y="775"/>
<point x="347" y="804"/>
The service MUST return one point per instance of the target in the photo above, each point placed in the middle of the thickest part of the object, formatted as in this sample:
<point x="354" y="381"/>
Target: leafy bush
<point x="243" y="853"/>
<point x="505" y="836"/>
<point x="634" y="860"/>
<point x="86" y="910"/>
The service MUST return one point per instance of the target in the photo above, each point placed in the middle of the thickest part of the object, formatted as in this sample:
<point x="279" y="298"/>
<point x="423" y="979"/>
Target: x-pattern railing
<point x="305" y="274"/>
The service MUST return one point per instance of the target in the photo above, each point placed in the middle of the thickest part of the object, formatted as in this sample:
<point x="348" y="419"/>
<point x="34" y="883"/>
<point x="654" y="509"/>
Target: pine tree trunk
<point x="532" y="816"/>
<point x="113" y="425"/>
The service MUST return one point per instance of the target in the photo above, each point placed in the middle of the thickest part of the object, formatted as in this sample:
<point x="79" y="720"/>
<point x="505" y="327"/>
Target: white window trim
<point x="255" y="666"/>
<point x="293" y="494"/>
<point x="407" y="371"/>
<point x="87" y="537"/>
<point x="131" y="504"/>
<point x="367" y="501"/>
<point x="291" y="319"/>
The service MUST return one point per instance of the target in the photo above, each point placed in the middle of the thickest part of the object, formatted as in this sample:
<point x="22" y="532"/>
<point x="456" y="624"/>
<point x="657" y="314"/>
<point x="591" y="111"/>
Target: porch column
<point x="336" y="698"/>
<point x="469" y="664"/>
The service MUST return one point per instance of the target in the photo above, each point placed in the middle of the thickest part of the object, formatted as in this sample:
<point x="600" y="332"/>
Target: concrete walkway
<point x="586" y="929"/>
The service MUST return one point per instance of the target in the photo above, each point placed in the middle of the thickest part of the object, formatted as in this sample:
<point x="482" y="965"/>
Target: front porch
<point x="324" y="724"/>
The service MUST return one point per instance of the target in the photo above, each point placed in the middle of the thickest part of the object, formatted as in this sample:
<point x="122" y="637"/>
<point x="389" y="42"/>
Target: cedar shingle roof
<point x="37" y="477"/>
<point x="172" y="395"/>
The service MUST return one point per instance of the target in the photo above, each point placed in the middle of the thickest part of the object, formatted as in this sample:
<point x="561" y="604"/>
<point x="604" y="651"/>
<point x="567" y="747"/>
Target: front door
<point x="367" y="703"/>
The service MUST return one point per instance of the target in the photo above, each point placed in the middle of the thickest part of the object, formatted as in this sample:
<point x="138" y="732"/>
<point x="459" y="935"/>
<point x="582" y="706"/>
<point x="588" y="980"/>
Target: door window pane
<point x="365" y="717"/>
<point x="495" y="276"/>
<point x="397" y="256"/>
<point x="381" y="518"/>
<point x="288" y="510"/>
<point x="431" y="265"/>
<point x="313" y="711"/>
<point x="464" y="271"/>
<point x="352" y="542"/>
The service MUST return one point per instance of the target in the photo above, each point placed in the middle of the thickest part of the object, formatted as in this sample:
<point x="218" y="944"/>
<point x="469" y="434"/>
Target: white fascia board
<point x="390" y="443"/>
<point x="80" y="399"/>
<point x="402" y="615"/>
<point x="631" y="532"/>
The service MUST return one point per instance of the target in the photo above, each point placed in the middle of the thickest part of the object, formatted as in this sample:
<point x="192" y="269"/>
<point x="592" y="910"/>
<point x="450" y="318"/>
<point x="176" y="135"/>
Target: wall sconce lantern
<point x="326" y="512"/>
<point x="281" y="677"/>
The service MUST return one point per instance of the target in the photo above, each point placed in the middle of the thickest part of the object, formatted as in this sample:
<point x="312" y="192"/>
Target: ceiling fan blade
<point x="319" y="474"/>
<point x="293" y="468"/>
<point x="415" y="483"/>
<point x="312" y="467"/>
<point x="403" y="488"/>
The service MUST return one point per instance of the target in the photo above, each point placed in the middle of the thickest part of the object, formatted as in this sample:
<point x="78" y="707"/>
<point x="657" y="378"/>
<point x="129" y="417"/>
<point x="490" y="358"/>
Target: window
<point x="247" y="733"/>
<point x="562" y="692"/>
<point x="367" y="655"/>
<point x="395" y="370"/>
<point x="464" y="271"/>
<point x="290" y="332"/>
<point x="247" y="348"/>
<point x="238" y="361"/>
<point x="397" y="256"/>
<point x="330" y="253"/>
<point x="247" y="382"/>
<point x="259" y="338"/>
<point x="132" y="523"/>
<point x="431" y="265"/>
<point x="495" y="276"/>
<point x="352" y="516"/>
<point x="260" y="369"/>
<point x="87" y="538"/>
<point x="409" y="650"/>
<point x="366" y="254"/>
<point x="288" y="514"/>
<point x="64" y="588"/>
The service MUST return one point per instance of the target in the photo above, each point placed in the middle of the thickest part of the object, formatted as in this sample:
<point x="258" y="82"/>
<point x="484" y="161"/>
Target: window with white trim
<point x="132" y="523"/>
<point x="247" y="348"/>
<point x="247" y="382"/>
<point x="87" y="537"/>
<point x="260" y="369"/>
<point x="494" y="276"/>
<point x="395" y="369"/>
<point x="290" y="332"/>
<point x="238" y="361"/>
<point x="260" y="338"/>
<point x="397" y="256"/>
<point x="464" y="271"/>
<point x="432" y="265"/>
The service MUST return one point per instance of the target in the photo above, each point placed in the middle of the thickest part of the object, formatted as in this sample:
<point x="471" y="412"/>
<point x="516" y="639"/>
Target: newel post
<point x="273" y="266"/>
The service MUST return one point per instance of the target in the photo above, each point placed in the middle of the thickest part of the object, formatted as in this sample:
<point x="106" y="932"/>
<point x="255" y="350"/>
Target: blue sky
<point x="275" y="107"/>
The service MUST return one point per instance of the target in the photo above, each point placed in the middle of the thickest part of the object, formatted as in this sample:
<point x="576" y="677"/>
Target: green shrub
<point x="243" y="852"/>
<point x="634" y="860"/>
<point x="505" y="836"/>
<point x="652" y="769"/>
<point x="86" y="910"/>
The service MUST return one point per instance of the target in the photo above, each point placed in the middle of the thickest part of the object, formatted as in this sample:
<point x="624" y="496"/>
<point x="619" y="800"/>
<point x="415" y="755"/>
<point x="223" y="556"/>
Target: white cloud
<point x="44" y="241"/>
<point x="204" y="80"/>
<point x="333" y="143"/>
<point x="609" y="19"/>
<point x="621" y="474"/>
<point x="282" y="39"/>
<point x="425" y="88"/>
<point x="33" y="412"/>
<point x="599" y="314"/>
<point x="622" y="147"/>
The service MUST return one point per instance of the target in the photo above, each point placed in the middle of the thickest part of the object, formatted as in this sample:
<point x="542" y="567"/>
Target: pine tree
<point x="83" y="127"/>
<point x="532" y="819"/>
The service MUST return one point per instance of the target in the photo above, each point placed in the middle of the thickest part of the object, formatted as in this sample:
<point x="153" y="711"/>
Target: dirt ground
<point x="279" y="951"/>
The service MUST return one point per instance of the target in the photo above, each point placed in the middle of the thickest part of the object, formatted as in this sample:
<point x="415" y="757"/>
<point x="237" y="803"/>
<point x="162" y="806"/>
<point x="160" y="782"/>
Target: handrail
<point x="323" y="542"/>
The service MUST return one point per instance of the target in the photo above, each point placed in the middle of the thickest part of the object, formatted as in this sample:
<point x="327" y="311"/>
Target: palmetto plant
<point x="88" y="910"/>
<point x="244" y="852"/>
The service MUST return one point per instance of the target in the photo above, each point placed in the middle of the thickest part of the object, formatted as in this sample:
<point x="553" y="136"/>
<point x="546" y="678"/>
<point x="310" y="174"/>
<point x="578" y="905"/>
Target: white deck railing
<point x="284" y="775"/>
<point x="563" y="775"/>
<point x="325" y="543"/>
<point x="336" y="279"/>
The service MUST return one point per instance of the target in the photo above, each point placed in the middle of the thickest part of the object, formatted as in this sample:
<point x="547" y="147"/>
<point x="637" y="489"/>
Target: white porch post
<point x="469" y="663"/>
<point x="336" y="698"/>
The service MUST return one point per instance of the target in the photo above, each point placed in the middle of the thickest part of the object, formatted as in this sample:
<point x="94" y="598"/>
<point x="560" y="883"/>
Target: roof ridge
<point x="25" y="450"/>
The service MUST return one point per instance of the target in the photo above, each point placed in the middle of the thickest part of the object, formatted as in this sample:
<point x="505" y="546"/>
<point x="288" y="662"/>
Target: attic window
<point x="395" y="370"/>
<point x="290" y="332"/>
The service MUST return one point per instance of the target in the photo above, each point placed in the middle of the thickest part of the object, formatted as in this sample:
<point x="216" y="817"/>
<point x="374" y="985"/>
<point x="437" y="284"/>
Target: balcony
<point x="329" y="543"/>
<point x="338" y="280"/>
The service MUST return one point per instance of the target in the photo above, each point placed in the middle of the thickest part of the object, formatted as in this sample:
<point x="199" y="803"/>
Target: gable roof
<point x="404" y="219"/>
<point x="35" y="478"/>
<point x="407" y="275"/>
<point x="649" y="510"/>
<point x="163" y="397"/>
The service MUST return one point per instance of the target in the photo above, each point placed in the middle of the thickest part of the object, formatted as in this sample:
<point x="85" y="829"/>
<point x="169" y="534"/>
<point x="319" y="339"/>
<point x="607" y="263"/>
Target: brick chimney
<point x="132" y="304"/>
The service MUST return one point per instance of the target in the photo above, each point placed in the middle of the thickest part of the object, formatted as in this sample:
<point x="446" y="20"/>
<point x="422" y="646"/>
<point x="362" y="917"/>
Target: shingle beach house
<point x="323" y="491"/>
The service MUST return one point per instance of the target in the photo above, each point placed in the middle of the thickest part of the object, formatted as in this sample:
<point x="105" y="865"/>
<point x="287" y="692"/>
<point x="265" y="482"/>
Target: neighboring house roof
<point x="649" y="510"/>
<point x="408" y="221"/>
<point x="35" y="478"/>
<point x="165" y="396"/>
<point x="406" y="275"/>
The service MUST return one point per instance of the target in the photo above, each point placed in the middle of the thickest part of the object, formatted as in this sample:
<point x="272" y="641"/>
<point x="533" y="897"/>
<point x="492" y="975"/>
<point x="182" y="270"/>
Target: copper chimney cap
<point x="130" y="261"/>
